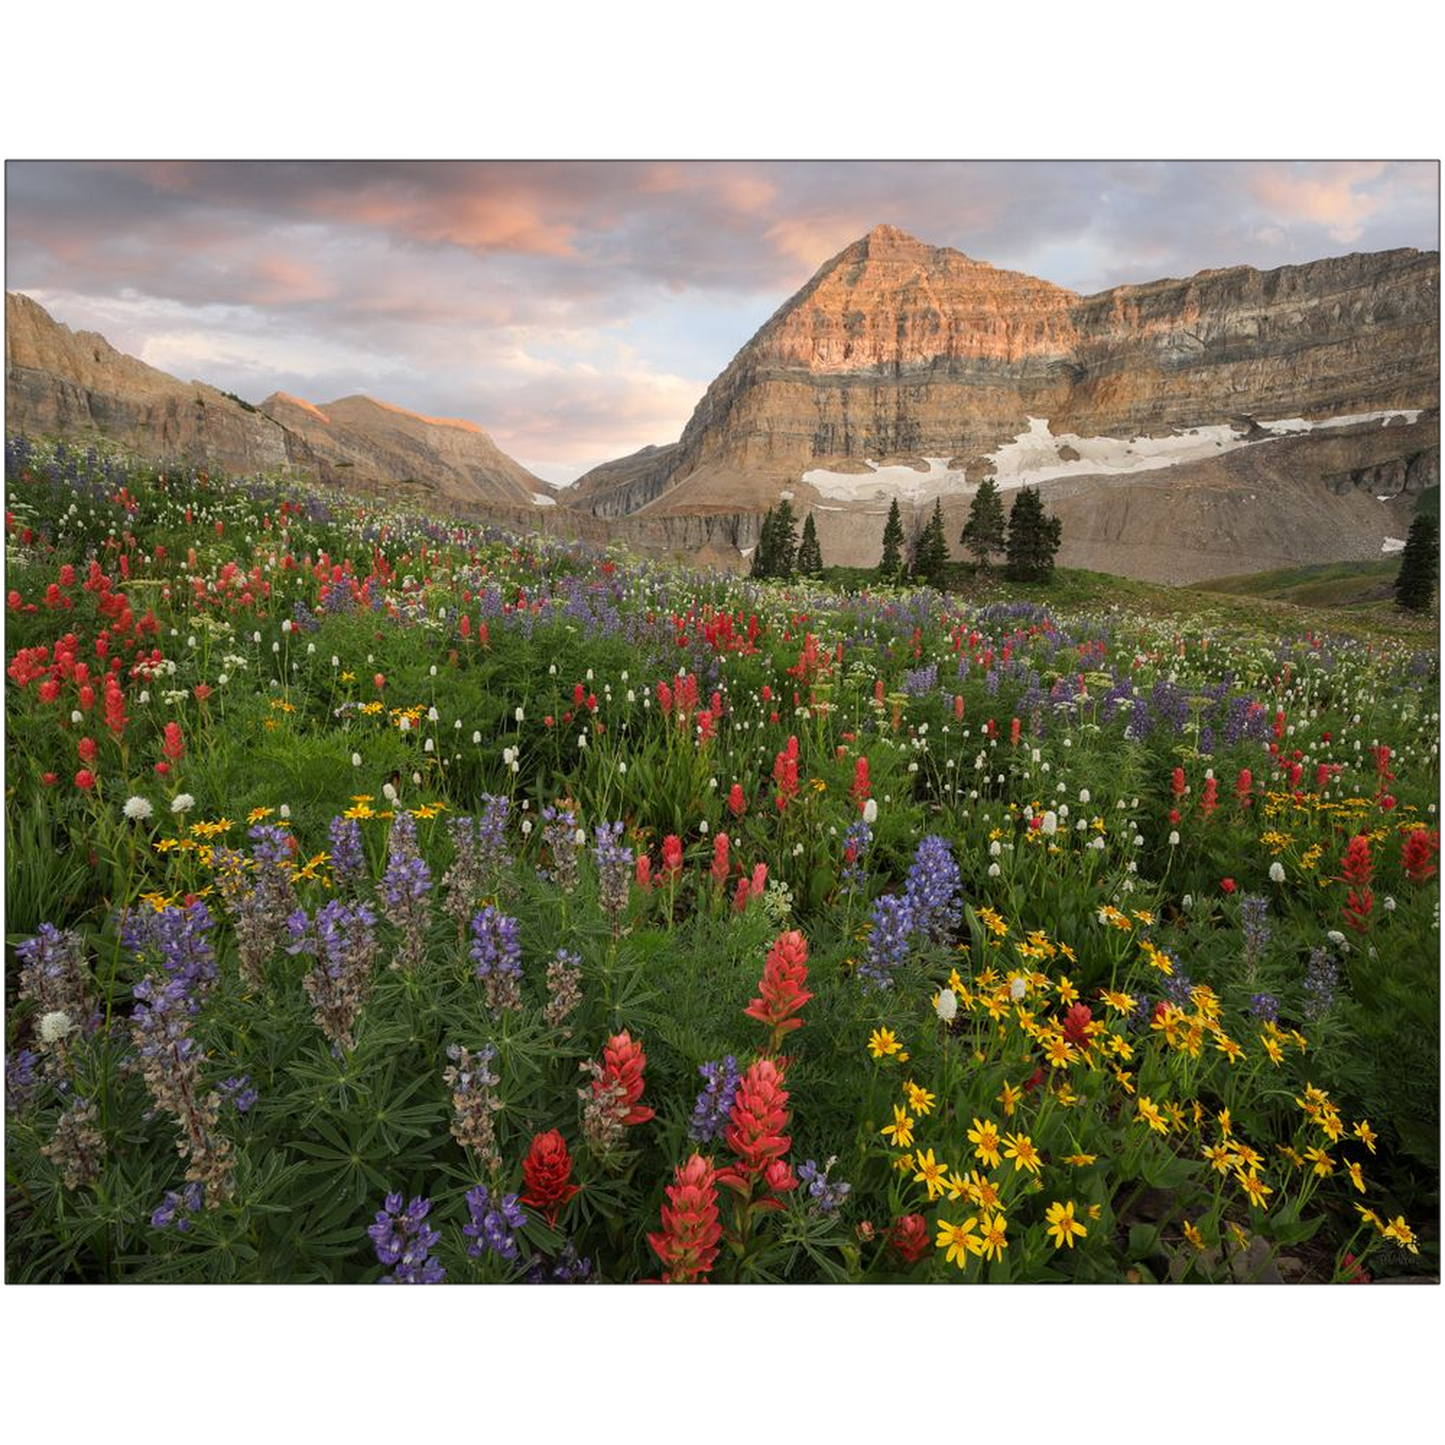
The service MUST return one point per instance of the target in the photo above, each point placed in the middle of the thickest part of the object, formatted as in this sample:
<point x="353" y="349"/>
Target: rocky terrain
<point x="374" y="442"/>
<point x="907" y="370"/>
<point x="64" y="383"/>
<point x="1234" y="421"/>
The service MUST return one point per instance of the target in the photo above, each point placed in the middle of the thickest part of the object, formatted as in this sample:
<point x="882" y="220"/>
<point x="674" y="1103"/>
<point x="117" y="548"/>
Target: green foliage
<point x="890" y="566"/>
<point x="985" y="532"/>
<point x="777" y="546"/>
<point x="560" y="699"/>
<point x="930" y="558"/>
<point x="1033" y="538"/>
<point x="1419" y="565"/>
<point x="810" y="555"/>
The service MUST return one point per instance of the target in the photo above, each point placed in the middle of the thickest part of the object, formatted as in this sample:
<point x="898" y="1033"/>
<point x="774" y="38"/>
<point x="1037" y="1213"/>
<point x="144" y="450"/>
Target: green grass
<point x="1322" y="584"/>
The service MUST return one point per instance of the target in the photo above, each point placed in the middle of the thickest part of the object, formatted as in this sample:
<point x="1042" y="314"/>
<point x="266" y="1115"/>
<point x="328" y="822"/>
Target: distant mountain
<point x="385" y="445"/>
<point x="75" y="384"/>
<point x="911" y="371"/>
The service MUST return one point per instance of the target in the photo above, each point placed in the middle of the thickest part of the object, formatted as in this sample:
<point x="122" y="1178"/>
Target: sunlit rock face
<point x="911" y="372"/>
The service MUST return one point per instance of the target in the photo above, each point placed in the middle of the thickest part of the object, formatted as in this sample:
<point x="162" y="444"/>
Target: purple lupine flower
<point x="1254" y="923"/>
<point x="497" y="949"/>
<point x="178" y="1208"/>
<point x="172" y="1065"/>
<point x="931" y="892"/>
<point x="479" y="847"/>
<point x="20" y="1080"/>
<point x="348" y="858"/>
<point x="342" y="940"/>
<point x="181" y="937"/>
<point x="614" y="868"/>
<point x="715" y="1102"/>
<point x="405" y="889"/>
<point x="1178" y="987"/>
<point x="258" y="896"/>
<point x="239" y="1091"/>
<point x="567" y="1268"/>
<point x="856" y="842"/>
<point x="827" y="1194"/>
<point x="888" y="940"/>
<point x="491" y="834"/>
<point x="559" y="833"/>
<point x="473" y="1102"/>
<point x="403" y="1238"/>
<point x="1265" y="1006"/>
<point x="920" y="681"/>
<point x="564" y="990"/>
<point x="491" y="1229"/>
<point x="1322" y="978"/>
<point x="53" y="975"/>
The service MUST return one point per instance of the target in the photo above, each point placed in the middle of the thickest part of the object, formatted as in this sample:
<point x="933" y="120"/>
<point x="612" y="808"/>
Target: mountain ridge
<point x="75" y="383"/>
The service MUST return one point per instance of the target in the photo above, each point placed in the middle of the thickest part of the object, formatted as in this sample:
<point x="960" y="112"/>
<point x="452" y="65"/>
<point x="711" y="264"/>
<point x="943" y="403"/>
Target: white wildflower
<point x="54" y="1026"/>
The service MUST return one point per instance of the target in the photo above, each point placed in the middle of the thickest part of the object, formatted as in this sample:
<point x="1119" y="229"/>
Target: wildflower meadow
<point x="394" y="900"/>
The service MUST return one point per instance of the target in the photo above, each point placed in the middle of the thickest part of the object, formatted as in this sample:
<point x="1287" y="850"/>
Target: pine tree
<point x="1419" y="565"/>
<point x="785" y="543"/>
<point x="931" y="558"/>
<point x="763" y="553"/>
<point x="1033" y="539"/>
<point x="810" y="555"/>
<point x="985" y="531"/>
<point x="892" y="562"/>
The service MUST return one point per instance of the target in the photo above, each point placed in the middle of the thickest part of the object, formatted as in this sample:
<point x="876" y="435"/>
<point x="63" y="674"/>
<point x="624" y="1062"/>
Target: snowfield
<point x="903" y="482"/>
<point x="1033" y="456"/>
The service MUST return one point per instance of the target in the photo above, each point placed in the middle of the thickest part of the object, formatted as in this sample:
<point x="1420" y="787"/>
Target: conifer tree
<point x="931" y="558"/>
<point x="1419" y="565"/>
<point x="1033" y="539"/>
<point x="985" y="531"/>
<point x="810" y="555"/>
<point x="785" y="543"/>
<point x="763" y="553"/>
<point x="892" y="562"/>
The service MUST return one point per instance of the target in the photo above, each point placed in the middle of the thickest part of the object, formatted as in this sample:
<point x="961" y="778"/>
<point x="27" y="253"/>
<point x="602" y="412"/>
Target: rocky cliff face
<point x="372" y="442"/>
<point x="75" y="384"/>
<point x="897" y="350"/>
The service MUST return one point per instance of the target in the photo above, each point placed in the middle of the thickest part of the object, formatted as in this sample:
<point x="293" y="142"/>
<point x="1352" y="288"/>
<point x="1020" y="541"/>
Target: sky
<point x="578" y="310"/>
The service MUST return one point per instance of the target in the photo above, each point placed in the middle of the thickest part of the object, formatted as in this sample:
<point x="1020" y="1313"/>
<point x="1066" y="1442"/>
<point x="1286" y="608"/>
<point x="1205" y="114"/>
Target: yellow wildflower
<point x="984" y="1137"/>
<point x="900" y="1130"/>
<point x="930" y="1173"/>
<point x="1062" y="1225"/>
<point x="959" y="1240"/>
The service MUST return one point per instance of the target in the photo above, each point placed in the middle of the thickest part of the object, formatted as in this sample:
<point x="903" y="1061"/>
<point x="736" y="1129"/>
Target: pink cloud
<point x="1330" y="196"/>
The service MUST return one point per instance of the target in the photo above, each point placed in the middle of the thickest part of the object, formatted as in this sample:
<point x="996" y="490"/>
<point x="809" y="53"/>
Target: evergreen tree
<point x="1419" y="565"/>
<point x="810" y="555"/>
<point x="931" y="558"/>
<point x="985" y="531"/>
<point x="892" y="562"/>
<point x="1033" y="539"/>
<point x="763" y="553"/>
<point x="785" y="542"/>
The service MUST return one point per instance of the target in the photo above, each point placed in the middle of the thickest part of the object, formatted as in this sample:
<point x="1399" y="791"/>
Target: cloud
<point x="1337" y="197"/>
<point x="578" y="310"/>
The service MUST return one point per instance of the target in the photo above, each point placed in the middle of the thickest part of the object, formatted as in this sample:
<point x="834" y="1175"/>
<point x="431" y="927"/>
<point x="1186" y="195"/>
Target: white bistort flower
<point x="947" y="1006"/>
<point x="54" y="1026"/>
<point x="1276" y="872"/>
<point x="870" y="811"/>
<point x="182" y="803"/>
<point x="137" y="809"/>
